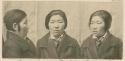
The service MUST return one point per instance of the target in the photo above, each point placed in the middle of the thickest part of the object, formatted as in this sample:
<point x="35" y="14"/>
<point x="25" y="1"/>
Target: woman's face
<point x="97" y="26"/>
<point x="56" y="25"/>
<point x="23" y="28"/>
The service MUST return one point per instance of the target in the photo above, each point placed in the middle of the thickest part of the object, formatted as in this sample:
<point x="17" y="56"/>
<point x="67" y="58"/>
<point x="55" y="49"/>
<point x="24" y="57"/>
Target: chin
<point x="25" y="35"/>
<point x="95" y="35"/>
<point x="56" y="34"/>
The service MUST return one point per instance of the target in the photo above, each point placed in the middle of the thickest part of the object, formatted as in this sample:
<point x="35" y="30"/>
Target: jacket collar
<point x="11" y="34"/>
<point x="64" y="41"/>
<point x="90" y="38"/>
<point x="17" y="39"/>
<point x="106" y="43"/>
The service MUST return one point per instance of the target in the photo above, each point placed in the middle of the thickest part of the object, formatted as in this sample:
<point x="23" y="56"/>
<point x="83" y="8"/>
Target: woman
<point x="56" y="43"/>
<point x="101" y="44"/>
<point x="17" y="44"/>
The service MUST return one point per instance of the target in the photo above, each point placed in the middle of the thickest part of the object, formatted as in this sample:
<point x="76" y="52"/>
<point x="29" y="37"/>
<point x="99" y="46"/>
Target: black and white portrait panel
<point x="62" y="30"/>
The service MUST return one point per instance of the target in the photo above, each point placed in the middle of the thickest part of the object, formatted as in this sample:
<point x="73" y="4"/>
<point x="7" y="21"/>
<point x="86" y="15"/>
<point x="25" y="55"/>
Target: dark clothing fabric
<point x="67" y="48"/>
<point x="16" y="47"/>
<point x="2" y="44"/>
<point x="110" y="48"/>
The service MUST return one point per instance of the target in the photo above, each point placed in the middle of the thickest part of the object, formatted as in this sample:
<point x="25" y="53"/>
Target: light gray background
<point x="77" y="13"/>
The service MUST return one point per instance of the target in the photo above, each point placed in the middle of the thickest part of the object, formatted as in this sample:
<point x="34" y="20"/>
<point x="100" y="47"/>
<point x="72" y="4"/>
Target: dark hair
<point x="55" y="12"/>
<point x="105" y="15"/>
<point x="13" y="16"/>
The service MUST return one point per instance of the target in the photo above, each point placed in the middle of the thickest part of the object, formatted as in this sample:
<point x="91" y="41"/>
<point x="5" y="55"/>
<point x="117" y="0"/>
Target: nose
<point x="94" y="27"/>
<point x="56" y="26"/>
<point x="27" y="29"/>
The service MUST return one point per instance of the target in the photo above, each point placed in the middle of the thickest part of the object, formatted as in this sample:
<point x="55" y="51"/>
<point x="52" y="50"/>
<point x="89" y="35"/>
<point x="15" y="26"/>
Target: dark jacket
<point x="68" y="48"/>
<point x="16" y="47"/>
<point x="110" y="48"/>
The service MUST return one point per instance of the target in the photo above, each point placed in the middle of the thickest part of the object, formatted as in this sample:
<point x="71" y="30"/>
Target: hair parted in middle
<point x="55" y="12"/>
<point x="105" y="15"/>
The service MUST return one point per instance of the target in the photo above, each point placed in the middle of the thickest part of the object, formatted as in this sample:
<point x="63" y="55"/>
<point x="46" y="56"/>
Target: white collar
<point x="58" y="39"/>
<point x="102" y="36"/>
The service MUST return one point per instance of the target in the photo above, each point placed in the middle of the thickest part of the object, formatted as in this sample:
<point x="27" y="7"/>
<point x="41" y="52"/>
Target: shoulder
<point x="115" y="40"/>
<point x="12" y="41"/>
<point x="11" y="45"/>
<point x="45" y="37"/>
<point x="43" y="40"/>
<point x="86" y="41"/>
<point x="70" y="40"/>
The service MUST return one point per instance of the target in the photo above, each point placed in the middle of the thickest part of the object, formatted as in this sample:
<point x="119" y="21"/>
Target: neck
<point x="56" y="36"/>
<point x="102" y="34"/>
<point x="20" y="35"/>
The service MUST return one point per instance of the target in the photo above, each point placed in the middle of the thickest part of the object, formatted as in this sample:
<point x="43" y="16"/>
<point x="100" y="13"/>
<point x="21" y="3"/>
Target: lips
<point x="94" y="32"/>
<point x="56" y="31"/>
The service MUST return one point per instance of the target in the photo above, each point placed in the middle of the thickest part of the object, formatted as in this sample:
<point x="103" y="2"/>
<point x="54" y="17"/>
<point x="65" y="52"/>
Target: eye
<point x="60" y="22"/>
<point x="99" y="22"/>
<point x="91" y="23"/>
<point x="51" y="21"/>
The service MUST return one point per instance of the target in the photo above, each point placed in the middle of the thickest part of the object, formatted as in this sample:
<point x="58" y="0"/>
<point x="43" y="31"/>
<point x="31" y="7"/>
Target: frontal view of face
<point x="97" y="26"/>
<point x="56" y="25"/>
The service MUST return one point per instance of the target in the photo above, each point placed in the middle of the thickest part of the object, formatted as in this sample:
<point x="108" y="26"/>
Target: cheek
<point x="101" y="27"/>
<point x="91" y="26"/>
<point x="62" y="25"/>
<point x="51" y="26"/>
<point x="23" y="28"/>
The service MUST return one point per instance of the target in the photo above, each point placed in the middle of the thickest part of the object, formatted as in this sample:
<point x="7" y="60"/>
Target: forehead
<point x="24" y="20"/>
<point x="97" y="18"/>
<point x="54" y="17"/>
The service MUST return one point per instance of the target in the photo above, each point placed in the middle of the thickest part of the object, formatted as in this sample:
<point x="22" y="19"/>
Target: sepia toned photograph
<point x="79" y="30"/>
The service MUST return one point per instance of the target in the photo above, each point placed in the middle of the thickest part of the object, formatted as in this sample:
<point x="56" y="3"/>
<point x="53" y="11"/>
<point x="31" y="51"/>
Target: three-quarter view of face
<point x="101" y="39"/>
<point x="97" y="26"/>
<point x="100" y="22"/>
<point x="56" y="25"/>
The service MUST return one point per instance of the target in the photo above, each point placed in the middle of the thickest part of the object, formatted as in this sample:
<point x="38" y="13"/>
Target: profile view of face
<point x="97" y="26"/>
<point x="56" y="25"/>
<point x="23" y="28"/>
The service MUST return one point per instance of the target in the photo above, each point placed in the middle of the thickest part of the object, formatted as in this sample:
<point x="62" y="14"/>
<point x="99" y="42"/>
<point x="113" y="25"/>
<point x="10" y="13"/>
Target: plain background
<point x="77" y="13"/>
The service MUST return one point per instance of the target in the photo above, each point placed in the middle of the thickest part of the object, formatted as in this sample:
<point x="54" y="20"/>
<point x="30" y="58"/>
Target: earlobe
<point x="15" y="26"/>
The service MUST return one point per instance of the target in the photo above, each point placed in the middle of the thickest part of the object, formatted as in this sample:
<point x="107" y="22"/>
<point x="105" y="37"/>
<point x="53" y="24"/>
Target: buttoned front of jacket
<point x="68" y="48"/>
<point x="110" y="48"/>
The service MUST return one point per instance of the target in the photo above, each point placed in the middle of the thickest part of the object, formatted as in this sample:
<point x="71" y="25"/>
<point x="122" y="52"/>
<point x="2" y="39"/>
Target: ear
<point x="15" y="26"/>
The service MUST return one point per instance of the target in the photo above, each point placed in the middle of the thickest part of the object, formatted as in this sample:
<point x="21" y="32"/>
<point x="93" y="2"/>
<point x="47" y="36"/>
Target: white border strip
<point x="70" y="0"/>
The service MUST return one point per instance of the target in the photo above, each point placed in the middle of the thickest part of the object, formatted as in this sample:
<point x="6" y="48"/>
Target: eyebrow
<point x="57" y="20"/>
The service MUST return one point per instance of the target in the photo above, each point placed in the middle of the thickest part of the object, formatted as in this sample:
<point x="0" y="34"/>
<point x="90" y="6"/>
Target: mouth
<point x="56" y="31"/>
<point x="94" y="32"/>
